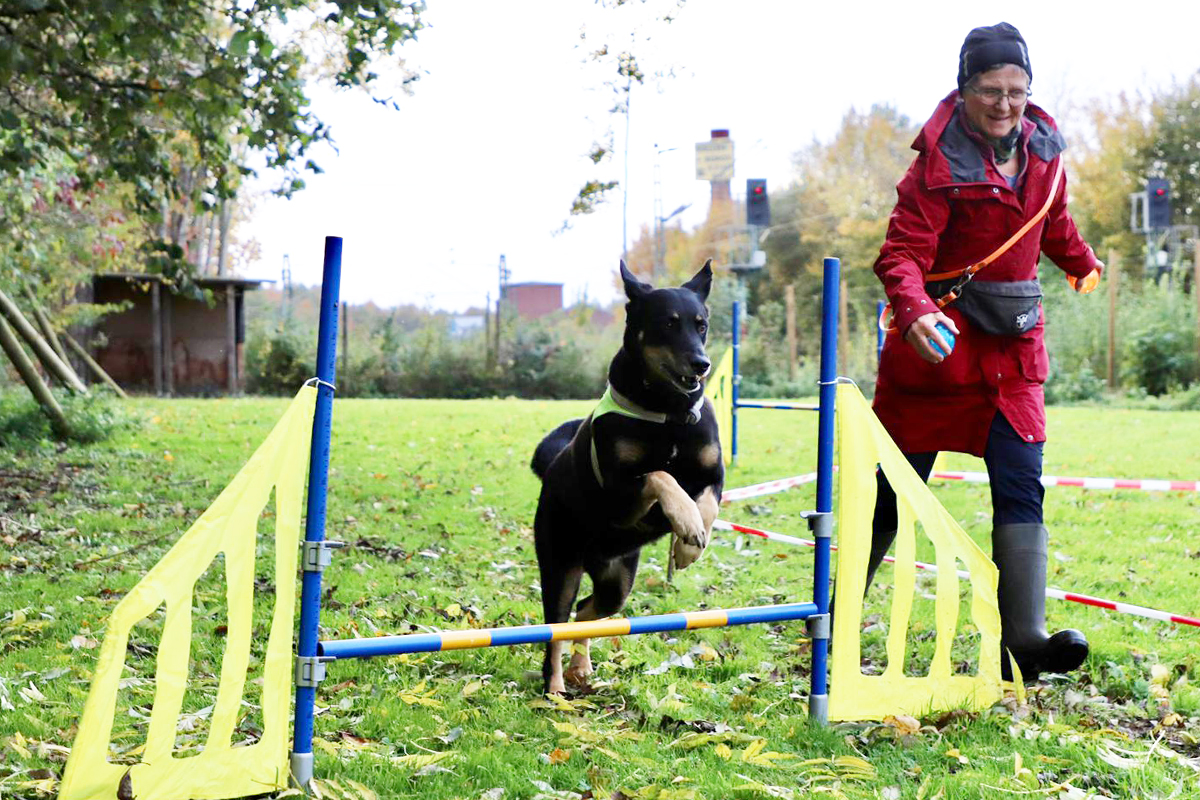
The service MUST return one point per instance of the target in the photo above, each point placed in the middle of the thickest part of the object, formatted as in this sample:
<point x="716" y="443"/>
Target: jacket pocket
<point x="901" y="368"/>
<point x="1033" y="359"/>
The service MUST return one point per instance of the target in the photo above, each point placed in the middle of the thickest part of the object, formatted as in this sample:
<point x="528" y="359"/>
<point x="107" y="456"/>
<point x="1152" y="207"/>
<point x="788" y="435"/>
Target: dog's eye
<point x="672" y="322"/>
<point x="702" y="328"/>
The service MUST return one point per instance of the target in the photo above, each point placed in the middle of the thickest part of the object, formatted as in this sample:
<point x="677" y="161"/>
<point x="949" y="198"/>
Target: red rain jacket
<point x="955" y="208"/>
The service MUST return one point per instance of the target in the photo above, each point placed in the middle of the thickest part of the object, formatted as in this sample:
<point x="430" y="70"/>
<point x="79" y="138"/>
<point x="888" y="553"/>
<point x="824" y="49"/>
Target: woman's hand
<point x="923" y="328"/>
<point x="1088" y="283"/>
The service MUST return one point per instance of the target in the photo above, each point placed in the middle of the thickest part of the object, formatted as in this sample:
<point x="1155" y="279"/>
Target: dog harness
<point x="613" y="402"/>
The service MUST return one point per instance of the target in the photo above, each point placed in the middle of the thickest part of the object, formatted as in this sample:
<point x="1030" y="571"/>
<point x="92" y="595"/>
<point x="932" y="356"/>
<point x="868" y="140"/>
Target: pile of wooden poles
<point x="47" y="346"/>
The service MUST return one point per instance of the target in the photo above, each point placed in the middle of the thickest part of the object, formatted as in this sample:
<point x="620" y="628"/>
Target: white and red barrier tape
<point x="1147" y="485"/>
<point x="1058" y="594"/>
<point x="1085" y="483"/>
<point x="770" y="487"/>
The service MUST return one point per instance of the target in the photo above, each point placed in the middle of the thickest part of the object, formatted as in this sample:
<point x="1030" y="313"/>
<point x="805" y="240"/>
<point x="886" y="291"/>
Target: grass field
<point x="436" y="501"/>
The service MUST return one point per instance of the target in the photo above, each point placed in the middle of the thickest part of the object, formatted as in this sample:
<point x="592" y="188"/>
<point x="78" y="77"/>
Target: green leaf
<point x="239" y="45"/>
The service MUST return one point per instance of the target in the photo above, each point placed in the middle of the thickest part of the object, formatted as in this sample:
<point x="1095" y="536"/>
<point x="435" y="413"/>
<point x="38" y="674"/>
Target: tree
<point x="1174" y="151"/>
<point x="613" y="53"/>
<point x="839" y="205"/>
<point x="159" y="107"/>
<point x="1105" y="168"/>
<point x="112" y="83"/>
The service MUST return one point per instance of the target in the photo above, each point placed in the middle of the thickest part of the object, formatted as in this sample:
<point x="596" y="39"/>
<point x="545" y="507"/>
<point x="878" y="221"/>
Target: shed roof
<point x="146" y="277"/>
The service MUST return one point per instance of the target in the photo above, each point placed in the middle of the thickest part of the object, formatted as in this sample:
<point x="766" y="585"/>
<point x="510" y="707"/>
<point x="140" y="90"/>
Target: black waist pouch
<point x="1001" y="308"/>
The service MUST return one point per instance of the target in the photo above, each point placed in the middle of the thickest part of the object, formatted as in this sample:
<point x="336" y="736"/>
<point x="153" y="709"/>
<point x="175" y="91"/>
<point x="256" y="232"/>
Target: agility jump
<point x="229" y="528"/>
<point x="313" y="655"/>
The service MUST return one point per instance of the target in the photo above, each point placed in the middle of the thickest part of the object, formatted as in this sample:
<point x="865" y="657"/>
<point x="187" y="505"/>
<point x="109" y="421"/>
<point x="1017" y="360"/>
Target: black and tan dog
<point x="645" y="463"/>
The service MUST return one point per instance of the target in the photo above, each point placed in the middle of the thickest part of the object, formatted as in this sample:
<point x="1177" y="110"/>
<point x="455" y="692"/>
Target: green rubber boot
<point x="1019" y="551"/>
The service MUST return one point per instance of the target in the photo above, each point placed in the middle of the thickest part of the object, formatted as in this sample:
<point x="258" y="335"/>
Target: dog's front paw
<point x="689" y="525"/>
<point x="685" y="554"/>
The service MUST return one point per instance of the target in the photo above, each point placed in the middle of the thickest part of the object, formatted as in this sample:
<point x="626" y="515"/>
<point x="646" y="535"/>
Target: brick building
<point x="533" y="300"/>
<point x="170" y="344"/>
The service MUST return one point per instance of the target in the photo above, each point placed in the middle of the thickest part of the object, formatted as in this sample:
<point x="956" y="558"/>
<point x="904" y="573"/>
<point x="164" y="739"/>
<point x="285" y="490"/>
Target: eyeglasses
<point x="992" y="96"/>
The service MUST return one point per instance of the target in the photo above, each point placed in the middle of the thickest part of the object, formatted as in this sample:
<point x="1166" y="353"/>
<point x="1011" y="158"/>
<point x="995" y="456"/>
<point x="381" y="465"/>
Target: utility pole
<point x="1114" y="272"/>
<point x="285" y="306"/>
<point x="487" y="333"/>
<point x="660" y="243"/>
<point x="345" y="347"/>
<point x="504" y="277"/>
<point x="789" y="297"/>
<point x="1196" y="284"/>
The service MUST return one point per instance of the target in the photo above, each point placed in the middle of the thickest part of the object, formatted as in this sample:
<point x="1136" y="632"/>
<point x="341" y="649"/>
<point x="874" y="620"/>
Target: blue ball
<point x="947" y="335"/>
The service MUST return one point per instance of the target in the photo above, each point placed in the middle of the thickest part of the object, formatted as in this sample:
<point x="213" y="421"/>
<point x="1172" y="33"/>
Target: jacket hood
<point x="954" y="154"/>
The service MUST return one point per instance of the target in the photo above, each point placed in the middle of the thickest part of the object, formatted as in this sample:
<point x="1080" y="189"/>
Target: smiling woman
<point x="993" y="102"/>
<point x="986" y="190"/>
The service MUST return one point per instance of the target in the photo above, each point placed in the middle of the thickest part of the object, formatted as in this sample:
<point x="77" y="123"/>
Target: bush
<point x="1156" y="338"/>
<point x="277" y="365"/>
<point x="556" y="368"/>
<point x="1073" y="387"/>
<point x="437" y="365"/>
<point x="23" y="424"/>
<point x="1161" y="357"/>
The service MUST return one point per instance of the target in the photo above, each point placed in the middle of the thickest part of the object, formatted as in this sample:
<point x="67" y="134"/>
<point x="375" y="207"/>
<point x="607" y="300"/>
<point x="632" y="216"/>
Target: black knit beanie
<point x="987" y="46"/>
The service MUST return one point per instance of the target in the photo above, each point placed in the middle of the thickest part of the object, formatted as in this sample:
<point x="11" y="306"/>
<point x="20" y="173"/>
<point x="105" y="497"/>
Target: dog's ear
<point x="634" y="289"/>
<point x="701" y="282"/>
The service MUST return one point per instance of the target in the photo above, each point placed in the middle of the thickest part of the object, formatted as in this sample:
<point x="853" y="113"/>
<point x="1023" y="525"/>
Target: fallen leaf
<point x="904" y="724"/>
<point x="421" y="760"/>
<point x="17" y="742"/>
<point x="1159" y="675"/>
<point x="325" y="745"/>
<point x="954" y="753"/>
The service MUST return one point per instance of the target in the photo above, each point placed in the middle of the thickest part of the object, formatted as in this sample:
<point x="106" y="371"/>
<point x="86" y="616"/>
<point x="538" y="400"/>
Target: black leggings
<point x="1014" y="470"/>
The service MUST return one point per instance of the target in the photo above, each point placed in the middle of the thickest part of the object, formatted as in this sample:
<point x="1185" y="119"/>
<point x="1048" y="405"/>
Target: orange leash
<point x="965" y="274"/>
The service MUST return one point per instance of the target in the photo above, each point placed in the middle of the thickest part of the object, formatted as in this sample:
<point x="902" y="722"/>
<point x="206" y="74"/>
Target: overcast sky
<point x="487" y="154"/>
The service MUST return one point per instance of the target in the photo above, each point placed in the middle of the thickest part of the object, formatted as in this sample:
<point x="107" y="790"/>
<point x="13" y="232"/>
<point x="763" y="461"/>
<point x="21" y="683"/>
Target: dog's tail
<point x="555" y="442"/>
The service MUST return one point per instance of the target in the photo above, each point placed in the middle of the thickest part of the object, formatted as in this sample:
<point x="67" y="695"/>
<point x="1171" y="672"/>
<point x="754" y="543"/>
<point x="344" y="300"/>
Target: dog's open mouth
<point x="691" y="383"/>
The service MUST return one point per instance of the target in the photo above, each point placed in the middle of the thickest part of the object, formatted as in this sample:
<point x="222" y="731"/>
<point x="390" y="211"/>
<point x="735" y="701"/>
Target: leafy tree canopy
<point x="129" y="87"/>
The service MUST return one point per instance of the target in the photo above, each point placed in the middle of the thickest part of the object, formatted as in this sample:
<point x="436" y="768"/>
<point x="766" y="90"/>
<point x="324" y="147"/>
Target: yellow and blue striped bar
<point x="779" y="406"/>
<point x="562" y="631"/>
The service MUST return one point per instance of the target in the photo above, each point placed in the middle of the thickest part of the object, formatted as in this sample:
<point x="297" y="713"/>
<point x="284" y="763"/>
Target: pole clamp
<point x="817" y="626"/>
<point x="316" y="556"/>
<point x="310" y="670"/>
<point x="820" y="523"/>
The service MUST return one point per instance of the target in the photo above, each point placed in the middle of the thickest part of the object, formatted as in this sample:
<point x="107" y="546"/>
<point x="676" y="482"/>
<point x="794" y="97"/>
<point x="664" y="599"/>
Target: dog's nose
<point x="700" y="365"/>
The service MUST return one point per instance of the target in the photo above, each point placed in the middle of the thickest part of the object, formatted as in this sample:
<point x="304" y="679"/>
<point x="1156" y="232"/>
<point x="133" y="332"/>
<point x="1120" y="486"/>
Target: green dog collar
<point x="613" y="402"/>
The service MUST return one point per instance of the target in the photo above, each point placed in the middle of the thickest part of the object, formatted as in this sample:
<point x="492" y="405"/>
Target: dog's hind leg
<point x="559" y="588"/>
<point x="611" y="584"/>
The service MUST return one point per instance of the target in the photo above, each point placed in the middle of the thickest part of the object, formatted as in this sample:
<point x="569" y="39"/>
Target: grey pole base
<point x="302" y="770"/>
<point x="818" y="708"/>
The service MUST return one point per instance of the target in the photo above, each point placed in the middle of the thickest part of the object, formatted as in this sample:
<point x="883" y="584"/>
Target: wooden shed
<point x="171" y="344"/>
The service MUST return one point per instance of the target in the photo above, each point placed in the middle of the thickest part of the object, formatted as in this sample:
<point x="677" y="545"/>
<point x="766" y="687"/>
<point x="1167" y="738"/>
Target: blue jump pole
<point x="308" y="667"/>
<point x="734" y="392"/>
<point x="562" y="631"/>
<point x="822" y="521"/>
